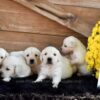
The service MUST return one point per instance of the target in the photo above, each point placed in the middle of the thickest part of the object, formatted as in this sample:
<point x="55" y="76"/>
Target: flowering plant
<point x="93" y="51"/>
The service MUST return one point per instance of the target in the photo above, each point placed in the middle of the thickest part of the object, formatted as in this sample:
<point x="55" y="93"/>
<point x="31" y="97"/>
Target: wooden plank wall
<point x="21" y="27"/>
<point x="74" y="17"/>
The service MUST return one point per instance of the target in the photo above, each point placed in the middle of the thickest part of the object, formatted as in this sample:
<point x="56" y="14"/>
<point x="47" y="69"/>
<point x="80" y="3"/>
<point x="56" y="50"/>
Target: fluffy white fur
<point x="14" y="67"/>
<point x="17" y="53"/>
<point x="32" y="57"/>
<point x="76" y="50"/>
<point x="57" y="69"/>
<point x="3" y="55"/>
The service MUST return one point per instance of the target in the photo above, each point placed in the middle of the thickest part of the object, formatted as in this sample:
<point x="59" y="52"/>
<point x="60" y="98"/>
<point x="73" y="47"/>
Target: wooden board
<point x="79" y="3"/>
<point x="14" y="17"/>
<point x="60" y="15"/>
<point x="20" y="41"/>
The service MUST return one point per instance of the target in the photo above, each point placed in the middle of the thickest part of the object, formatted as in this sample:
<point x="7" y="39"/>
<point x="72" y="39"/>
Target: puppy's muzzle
<point x="49" y="60"/>
<point x="32" y="61"/>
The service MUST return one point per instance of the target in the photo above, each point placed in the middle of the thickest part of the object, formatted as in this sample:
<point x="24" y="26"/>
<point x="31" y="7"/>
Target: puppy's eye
<point x="65" y="46"/>
<point x="36" y="55"/>
<point x="54" y="54"/>
<point x="7" y="69"/>
<point x="27" y="55"/>
<point x="45" y="54"/>
<point x="1" y="57"/>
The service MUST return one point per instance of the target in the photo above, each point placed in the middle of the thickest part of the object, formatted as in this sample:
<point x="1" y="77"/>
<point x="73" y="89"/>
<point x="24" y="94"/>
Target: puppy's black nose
<point x="49" y="60"/>
<point x="31" y="61"/>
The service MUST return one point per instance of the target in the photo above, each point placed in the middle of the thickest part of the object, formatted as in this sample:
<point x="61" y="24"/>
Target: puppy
<point x="13" y="66"/>
<point x="54" y="66"/>
<point x="32" y="57"/>
<point x="76" y="50"/>
<point x="3" y="55"/>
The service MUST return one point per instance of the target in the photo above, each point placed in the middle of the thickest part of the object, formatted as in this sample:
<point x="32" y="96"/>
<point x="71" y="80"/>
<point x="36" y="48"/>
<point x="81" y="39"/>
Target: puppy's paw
<point x="6" y="79"/>
<point x="37" y="81"/>
<point x="55" y="86"/>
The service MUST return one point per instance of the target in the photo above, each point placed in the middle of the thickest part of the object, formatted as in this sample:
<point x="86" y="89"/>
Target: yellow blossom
<point x="97" y="74"/>
<point x="93" y="50"/>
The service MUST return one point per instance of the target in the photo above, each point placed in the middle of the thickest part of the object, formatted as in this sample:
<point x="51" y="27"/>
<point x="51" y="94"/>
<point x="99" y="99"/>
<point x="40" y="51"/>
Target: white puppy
<point x="77" y="51"/>
<point x="54" y="66"/>
<point x="14" y="67"/>
<point x="3" y="55"/>
<point x="32" y="57"/>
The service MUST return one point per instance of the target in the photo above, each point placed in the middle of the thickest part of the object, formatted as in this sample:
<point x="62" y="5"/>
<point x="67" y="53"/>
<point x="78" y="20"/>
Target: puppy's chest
<point x="49" y="71"/>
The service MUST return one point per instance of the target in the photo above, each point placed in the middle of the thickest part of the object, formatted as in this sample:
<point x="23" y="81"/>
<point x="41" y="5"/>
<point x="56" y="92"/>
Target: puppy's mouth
<point x="49" y="63"/>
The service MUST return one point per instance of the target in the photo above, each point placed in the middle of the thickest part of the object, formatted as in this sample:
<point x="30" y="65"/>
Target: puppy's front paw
<point x="6" y="79"/>
<point x="37" y="81"/>
<point x="55" y="86"/>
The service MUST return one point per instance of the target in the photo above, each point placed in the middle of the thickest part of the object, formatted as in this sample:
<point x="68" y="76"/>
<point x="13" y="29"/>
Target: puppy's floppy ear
<point x="39" y="53"/>
<point x="23" y="53"/>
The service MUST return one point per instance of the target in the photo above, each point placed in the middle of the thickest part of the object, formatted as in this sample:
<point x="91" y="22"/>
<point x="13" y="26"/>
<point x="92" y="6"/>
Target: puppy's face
<point x="3" y="55"/>
<point x="50" y="56"/>
<point x="7" y="69"/>
<point x="69" y="44"/>
<point x="32" y="55"/>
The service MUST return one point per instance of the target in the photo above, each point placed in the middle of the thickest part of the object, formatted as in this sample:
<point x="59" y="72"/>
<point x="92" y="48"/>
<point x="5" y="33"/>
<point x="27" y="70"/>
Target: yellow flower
<point x="88" y="57"/>
<point x="93" y="54"/>
<point x="97" y="39"/>
<point x="90" y="41"/>
<point x="99" y="29"/>
<point x="89" y="67"/>
<point x="98" y="22"/>
<point x="97" y="74"/>
<point x="95" y="29"/>
<point x="97" y="66"/>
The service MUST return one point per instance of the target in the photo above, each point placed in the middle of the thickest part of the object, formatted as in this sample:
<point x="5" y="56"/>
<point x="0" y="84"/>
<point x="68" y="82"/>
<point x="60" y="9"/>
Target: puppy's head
<point x="69" y="44"/>
<point x="32" y="55"/>
<point x="50" y="55"/>
<point x="3" y="55"/>
<point x="8" y="68"/>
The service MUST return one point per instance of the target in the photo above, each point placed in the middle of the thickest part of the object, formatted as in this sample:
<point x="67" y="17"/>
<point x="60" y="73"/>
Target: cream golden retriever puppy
<point x="3" y="55"/>
<point x="54" y="66"/>
<point x="13" y="66"/>
<point x="76" y="51"/>
<point x="32" y="57"/>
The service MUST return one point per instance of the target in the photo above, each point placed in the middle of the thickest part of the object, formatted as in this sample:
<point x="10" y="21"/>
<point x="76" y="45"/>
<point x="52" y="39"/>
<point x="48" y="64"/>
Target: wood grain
<point x="15" y="17"/>
<point x="51" y="11"/>
<point x="20" y="41"/>
<point x="79" y="3"/>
